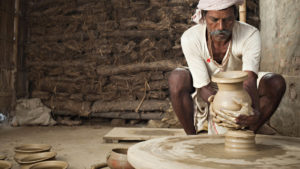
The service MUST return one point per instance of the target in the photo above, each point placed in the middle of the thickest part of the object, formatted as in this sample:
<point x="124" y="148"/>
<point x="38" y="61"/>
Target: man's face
<point x="220" y="23"/>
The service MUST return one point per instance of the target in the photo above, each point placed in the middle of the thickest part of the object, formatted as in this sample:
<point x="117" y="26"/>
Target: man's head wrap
<point x="213" y="5"/>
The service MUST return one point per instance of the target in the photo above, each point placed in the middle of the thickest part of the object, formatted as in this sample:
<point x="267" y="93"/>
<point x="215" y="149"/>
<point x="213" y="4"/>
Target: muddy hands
<point x="229" y="118"/>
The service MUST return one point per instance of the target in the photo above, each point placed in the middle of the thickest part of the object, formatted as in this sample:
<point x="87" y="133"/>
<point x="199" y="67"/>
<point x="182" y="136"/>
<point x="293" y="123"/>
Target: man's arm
<point x="251" y="87"/>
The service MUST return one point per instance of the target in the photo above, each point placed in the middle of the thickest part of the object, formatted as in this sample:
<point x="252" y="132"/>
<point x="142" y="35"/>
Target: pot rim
<point x="230" y="77"/>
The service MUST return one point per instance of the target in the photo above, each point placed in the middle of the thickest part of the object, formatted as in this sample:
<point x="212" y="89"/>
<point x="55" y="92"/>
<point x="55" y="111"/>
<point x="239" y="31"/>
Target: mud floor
<point x="80" y="146"/>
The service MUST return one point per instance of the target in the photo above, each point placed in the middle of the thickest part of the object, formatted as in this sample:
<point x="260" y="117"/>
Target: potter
<point x="220" y="43"/>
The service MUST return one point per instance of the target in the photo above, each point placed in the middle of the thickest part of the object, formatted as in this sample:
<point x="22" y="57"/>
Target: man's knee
<point x="274" y="82"/>
<point x="180" y="80"/>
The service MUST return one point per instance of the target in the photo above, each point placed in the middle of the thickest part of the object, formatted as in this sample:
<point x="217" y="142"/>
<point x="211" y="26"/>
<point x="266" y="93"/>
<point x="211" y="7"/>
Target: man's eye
<point x="214" y="20"/>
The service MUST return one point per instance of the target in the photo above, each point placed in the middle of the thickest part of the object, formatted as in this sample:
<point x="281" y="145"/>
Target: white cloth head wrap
<point x="213" y="5"/>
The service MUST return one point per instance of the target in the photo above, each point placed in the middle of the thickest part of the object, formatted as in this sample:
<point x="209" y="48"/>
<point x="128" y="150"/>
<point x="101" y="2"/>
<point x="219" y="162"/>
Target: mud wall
<point x="110" y="58"/>
<point x="107" y="58"/>
<point x="280" y="35"/>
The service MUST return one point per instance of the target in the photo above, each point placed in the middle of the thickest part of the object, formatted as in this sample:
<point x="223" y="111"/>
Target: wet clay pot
<point x="117" y="159"/>
<point x="230" y="86"/>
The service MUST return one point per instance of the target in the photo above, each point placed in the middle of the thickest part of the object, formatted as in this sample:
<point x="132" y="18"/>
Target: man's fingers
<point x="211" y="110"/>
<point x="230" y="113"/>
<point x="224" y="120"/>
<point x="225" y="116"/>
<point x="240" y="102"/>
<point x="230" y="125"/>
<point x="216" y="120"/>
<point x="211" y="98"/>
<point x="237" y="101"/>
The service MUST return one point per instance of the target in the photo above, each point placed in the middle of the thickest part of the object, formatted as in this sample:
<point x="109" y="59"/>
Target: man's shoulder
<point x="244" y="28"/>
<point x="194" y="32"/>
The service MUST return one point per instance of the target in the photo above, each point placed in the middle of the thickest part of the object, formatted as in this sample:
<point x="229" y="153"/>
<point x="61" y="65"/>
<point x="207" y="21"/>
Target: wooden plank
<point x="139" y="134"/>
<point x="129" y="115"/>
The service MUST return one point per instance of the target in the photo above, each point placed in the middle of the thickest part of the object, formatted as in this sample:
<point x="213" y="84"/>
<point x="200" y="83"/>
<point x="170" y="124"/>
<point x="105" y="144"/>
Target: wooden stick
<point x="243" y="10"/>
<point x="145" y="93"/>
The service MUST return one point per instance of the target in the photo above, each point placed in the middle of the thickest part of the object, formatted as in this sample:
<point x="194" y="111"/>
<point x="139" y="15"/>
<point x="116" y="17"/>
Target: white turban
<point x="213" y="5"/>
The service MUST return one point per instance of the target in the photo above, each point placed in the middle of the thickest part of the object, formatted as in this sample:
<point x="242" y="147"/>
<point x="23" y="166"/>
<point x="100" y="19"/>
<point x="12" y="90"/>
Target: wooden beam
<point x="15" y="51"/>
<point x="243" y="10"/>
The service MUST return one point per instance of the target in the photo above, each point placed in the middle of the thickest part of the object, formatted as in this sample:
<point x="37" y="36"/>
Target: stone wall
<point x="280" y="35"/>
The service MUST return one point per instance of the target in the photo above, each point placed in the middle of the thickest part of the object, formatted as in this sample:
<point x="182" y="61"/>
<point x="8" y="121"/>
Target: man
<point x="220" y="43"/>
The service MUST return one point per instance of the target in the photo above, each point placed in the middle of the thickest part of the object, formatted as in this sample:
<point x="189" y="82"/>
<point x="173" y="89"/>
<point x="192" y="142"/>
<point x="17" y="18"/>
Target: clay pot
<point x="117" y="159"/>
<point x="5" y="164"/>
<point x="230" y="86"/>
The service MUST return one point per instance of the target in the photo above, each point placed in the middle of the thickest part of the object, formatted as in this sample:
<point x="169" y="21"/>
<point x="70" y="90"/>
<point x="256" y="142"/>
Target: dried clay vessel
<point x="230" y="86"/>
<point x="117" y="159"/>
<point x="5" y="164"/>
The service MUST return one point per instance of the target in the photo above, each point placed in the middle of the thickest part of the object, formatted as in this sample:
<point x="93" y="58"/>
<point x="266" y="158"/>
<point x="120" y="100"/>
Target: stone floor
<point x="80" y="146"/>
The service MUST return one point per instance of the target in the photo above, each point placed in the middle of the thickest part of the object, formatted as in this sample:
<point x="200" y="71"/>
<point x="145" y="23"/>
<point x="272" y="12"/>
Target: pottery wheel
<point x="191" y="152"/>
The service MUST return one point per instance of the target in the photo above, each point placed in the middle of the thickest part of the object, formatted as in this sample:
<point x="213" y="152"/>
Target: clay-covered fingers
<point x="219" y="119"/>
<point x="227" y="116"/>
<point x="211" y="98"/>
<point x="230" y="113"/>
<point x="246" y="109"/>
<point x="238" y="101"/>
<point x="236" y="126"/>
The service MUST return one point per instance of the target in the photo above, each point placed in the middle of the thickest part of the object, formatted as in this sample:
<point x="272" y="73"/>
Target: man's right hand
<point x="228" y="118"/>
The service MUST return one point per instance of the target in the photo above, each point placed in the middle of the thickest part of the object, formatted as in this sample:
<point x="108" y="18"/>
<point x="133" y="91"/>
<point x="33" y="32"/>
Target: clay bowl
<point x="50" y="165"/>
<point x="26" y="149"/>
<point x="36" y="157"/>
<point x="5" y="164"/>
<point x="117" y="159"/>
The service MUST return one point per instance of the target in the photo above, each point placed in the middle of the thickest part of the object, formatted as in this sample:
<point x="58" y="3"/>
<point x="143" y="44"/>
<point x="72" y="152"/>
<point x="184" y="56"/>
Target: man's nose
<point x="221" y="24"/>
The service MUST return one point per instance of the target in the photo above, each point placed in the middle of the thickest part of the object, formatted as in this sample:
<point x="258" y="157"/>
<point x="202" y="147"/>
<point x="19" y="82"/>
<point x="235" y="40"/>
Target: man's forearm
<point x="251" y="88"/>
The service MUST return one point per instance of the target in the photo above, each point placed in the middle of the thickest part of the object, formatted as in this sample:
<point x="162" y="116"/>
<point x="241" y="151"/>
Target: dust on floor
<point x="80" y="146"/>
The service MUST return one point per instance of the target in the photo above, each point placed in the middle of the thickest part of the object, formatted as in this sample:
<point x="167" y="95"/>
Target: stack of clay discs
<point x="4" y="164"/>
<point x="37" y="156"/>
